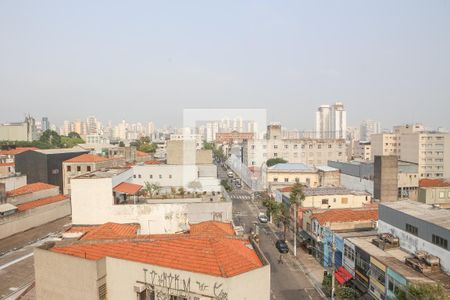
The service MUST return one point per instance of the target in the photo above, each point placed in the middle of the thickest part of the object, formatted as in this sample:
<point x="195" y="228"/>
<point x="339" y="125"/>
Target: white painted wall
<point x="14" y="182"/>
<point x="92" y="203"/>
<point x="412" y="243"/>
<point x="33" y="196"/>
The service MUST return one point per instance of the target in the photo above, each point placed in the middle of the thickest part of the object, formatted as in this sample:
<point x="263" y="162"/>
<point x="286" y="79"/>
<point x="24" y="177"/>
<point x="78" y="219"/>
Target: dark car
<point x="282" y="246"/>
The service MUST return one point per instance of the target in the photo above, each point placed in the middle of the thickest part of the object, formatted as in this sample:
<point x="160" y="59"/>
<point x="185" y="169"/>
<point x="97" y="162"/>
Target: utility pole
<point x="295" y="227"/>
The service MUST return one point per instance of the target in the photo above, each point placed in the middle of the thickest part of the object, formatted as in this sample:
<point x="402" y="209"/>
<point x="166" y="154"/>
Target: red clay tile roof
<point x="225" y="257"/>
<point x="127" y="188"/>
<point x="110" y="231"/>
<point x="7" y="164"/>
<point x="152" y="162"/>
<point x="212" y="228"/>
<point x="345" y="215"/>
<point x="286" y="189"/>
<point x="16" y="151"/>
<point x="40" y="202"/>
<point x="141" y="153"/>
<point x="434" y="183"/>
<point x="30" y="188"/>
<point x="86" y="158"/>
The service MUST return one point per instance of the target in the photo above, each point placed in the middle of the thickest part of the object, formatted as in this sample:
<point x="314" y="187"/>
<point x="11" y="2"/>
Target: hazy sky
<point x="144" y="60"/>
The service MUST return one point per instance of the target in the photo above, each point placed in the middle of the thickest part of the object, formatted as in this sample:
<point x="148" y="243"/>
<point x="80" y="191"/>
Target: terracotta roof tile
<point x="152" y="162"/>
<point x="17" y="150"/>
<point x="86" y="158"/>
<point x="212" y="227"/>
<point x="141" y="153"/>
<point x="345" y="215"/>
<point x="434" y="183"/>
<point x="219" y="256"/>
<point x="111" y="231"/>
<point x="127" y="188"/>
<point x="40" y="202"/>
<point x="7" y="164"/>
<point x="30" y="188"/>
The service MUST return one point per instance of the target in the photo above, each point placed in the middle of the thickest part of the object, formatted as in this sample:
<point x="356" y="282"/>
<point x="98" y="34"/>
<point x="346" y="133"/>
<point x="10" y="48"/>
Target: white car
<point x="263" y="218"/>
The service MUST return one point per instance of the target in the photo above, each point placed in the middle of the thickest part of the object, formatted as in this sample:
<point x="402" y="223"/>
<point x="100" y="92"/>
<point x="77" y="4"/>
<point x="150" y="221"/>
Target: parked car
<point x="282" y="246"/>
<point x="263" y="218"/>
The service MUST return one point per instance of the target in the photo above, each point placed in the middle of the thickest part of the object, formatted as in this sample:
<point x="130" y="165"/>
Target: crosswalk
<point x="240" y="195"/>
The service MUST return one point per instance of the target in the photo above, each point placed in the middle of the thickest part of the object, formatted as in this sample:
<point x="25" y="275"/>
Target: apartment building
<point x="429" y="149"/>
<point x="305" y="150"/>
<point x="434" y="192"/>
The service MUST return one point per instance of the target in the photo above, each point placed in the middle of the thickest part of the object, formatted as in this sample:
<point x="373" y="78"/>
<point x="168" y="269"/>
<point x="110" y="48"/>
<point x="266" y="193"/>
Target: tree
<point x="195" y="185"/>
<point x="68" y="142"/>
<point x="273" y="208"/>
<point x="225" y="185"/>
<point x="121" y="144"/>
<point x="152" y="188"/>
<point x="208" y="146"/>
<point x="74" y="135"/>
<point x="274" y="161"/>
<point x="147" y="148"/>
<point x="51" y="138"/>
<point x="422" y="291"/>
<point x="341" y="293"/>
<point x="181" y="191"/>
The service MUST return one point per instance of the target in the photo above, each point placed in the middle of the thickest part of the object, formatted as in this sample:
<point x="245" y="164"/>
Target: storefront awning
<point x="342" y="275"/>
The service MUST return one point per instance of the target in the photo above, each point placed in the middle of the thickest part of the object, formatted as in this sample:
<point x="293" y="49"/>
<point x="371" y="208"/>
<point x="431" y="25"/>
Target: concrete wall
<point x="312" y="178"/>
<point x="181" y="152"/>
<point x="34" y="196"/>
<point x="15" y="132"/>
<point x="203" y="157"/>
<point x="60" y="276"/>
<point x="92" y="203"/>
<point x="385" y="178"/>
<point x="14" y="182"/>
<point x="30" y="218"/>
<point x="207" y="170"/>
<point x="123" y="276"/>
<point x="336" y="201"/>
<point x="438" y="195"/>
<point x="357" y="184"/>
<point x="165" y="175"/>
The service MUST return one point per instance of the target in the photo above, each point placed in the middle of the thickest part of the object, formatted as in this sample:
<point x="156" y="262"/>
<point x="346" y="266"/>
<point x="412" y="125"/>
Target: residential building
<point x="367" y="128"/>
<point x="331" y="121"/>
<point x="233" y="137"/>
<point x="419" y="227"/>
<point x="45" y="124"/>
<point x="45" y="165"/>
<point x="362" y="150"/>
<point x="113" y="195"/>
<point x="31" y="192"/>
<point x="209" y="262"/>
<point x="83" y="164"/>
<point x="287" y="174"/>
<point x="189" y="137"/>
<point x="434" y="192"/>
<point x="428" y="149"/>
<point x="21" y="131"/>
<point x="7" y="169"/>
<point x="307" y="151"/>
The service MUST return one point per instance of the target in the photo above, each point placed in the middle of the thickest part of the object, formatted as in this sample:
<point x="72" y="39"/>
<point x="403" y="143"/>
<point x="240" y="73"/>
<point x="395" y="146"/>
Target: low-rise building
<point x="13" y="181"/>
<point x="31" y="192"/>
<point x="287" y="174"/>
<point x="420" y="227"/>
<point x="434" y="192"/>
<point x="233" y="137"/>
<point x="96" y="200"/>
<point x="209" y="262"/>
<point x="85" y="163"/>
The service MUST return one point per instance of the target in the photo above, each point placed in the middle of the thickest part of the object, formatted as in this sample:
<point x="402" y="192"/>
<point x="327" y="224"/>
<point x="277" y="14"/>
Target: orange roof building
<point x="30" y="188"/>
<point x="127" y="188"/>
<point x="345" y="215"/>
<point x="188" y="265"/>
<point x="17" y="150"/>
<point x="41" y="202"/>
<point x="86" y="158"/>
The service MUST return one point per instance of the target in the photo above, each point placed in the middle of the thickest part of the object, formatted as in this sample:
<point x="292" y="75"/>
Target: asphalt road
<point x="288" y="281"/>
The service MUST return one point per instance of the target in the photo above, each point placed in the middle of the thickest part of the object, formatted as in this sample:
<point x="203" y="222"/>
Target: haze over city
<point x="386" y="60"/>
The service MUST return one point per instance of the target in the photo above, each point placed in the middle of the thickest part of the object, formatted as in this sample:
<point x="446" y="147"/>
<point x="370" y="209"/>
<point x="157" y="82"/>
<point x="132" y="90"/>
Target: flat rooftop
<point x="59" y="150"/>
<point x="292" y="167"/>
<point x="437" y="216"/>
<point x="107" y="173"/>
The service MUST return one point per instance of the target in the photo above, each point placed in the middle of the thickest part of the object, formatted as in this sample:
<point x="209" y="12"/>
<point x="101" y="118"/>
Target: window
<point x="139" y="176"/>
<point x="286" y="180"/>
<point x="78" y="168"/>
<point x="324" y="201"/>
<point x="275" y="154"/>
<point x="151" y="176"/>
<point x="344" y="200"/>
<point x="88" y="168"/>
<point x="170" y="176"/>
<point x="69" y="168"/>
<point x="286" y="146"/>
<point x="441" y="195"/>
<point x="349" y="252"/>
<point x="275" y="146"/>
<point x="411" y="229"/>
<point x="102" y="291"/>
<point x="134" y="176"/>
<point x="160" y="176"/>
<point x="297" y="180"/>
<point x="275" y="179"/>
<point x="378" y="274"/>
<point x="439" y="241"/>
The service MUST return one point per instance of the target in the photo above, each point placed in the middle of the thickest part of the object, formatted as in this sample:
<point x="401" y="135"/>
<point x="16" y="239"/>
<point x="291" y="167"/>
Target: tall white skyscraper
<point x="331" y="121"/>
<point x="367" y="128"/>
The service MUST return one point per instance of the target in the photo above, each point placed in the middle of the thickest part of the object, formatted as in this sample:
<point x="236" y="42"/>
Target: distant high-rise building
<point x="91" y="125"/>
<point x="367" y="128"/>
<point x="45" y="124"/>
<point x="331" y="121"/>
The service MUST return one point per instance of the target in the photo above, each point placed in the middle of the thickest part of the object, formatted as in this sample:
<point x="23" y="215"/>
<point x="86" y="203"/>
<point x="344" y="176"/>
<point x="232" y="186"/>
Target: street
<point x="288" y="280"/>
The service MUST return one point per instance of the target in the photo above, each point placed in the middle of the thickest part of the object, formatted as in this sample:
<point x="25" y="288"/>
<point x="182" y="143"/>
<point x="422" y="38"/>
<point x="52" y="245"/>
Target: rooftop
<point x="107" y="173"/>
<point x="153" y="162"/>
<point x="16" y="150"/>
<point x="5" y="207"/>
<point x="41" y="202"/>
<point x="107" y="231"/>
<point x="292" y="167"/>
<point x="212" y="227"/>
<point x="30" y="188"/>
<point x="60" y="150"/>
<point x="326" y="169"/>
<point x="127" y="188"/>
<point x="214" y="253"/>
<point x="434" y="183"/>
<point x="86" y="158"/>
<point x="10" y="164"/>
<point x="345" y="215"/>
<point x="324" y="191"/>
<point x="421" y="211"/>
